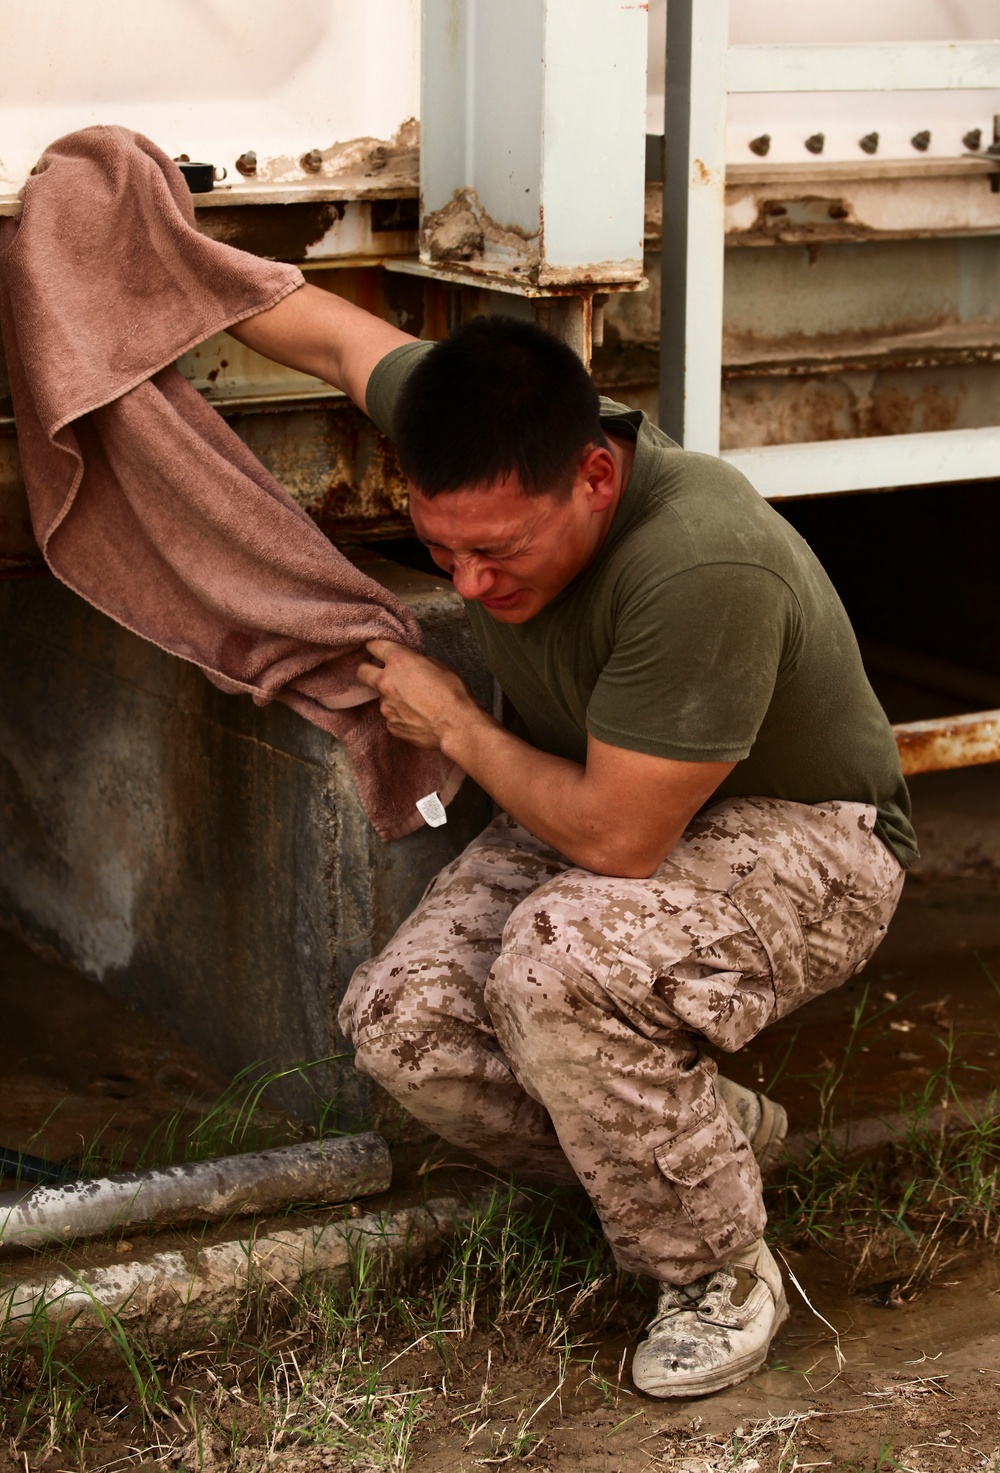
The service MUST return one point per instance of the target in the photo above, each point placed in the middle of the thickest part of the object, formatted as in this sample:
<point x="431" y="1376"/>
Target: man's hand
<point x="421" y="699"/>
<point x="619" y="814"/>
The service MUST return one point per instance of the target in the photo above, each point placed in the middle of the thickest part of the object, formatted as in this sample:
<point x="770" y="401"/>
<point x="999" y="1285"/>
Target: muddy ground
<point x="861" y="1377"/>
<point x="919" y="1386"/>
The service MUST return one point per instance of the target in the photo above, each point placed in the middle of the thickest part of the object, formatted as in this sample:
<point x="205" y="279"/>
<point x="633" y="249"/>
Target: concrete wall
<point x="205" y="860"/>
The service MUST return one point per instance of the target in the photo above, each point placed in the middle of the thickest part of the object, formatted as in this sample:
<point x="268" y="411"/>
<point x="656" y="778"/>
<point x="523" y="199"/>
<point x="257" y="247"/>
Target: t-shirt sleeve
<point x="695" y="662"/>
<point x="386" y="382"/>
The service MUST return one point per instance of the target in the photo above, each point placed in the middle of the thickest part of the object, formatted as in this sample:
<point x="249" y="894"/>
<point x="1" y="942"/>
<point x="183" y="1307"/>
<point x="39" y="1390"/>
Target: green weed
<point x="901" y="1209"/>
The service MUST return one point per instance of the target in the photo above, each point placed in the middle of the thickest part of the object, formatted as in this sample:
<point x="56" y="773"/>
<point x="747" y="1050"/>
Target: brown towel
<point x="142" y="498"/>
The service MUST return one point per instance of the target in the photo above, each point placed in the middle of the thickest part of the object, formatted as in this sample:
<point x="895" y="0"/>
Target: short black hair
<point x="499" y="396"/>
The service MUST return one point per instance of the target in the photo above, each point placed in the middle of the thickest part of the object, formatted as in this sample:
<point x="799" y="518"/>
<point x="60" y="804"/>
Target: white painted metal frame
<point x="876" y="66"/>
<point x="702" y="69"/>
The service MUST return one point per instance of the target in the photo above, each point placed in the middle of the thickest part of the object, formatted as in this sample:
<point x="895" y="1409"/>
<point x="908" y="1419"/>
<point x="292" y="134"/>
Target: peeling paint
<point x="277" y="232"/>
<point x="395" y="158"/>
<point x="463" y="230"/>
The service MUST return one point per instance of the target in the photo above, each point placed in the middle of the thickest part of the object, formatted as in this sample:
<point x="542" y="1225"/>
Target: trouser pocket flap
<point x="704" y="1167"/>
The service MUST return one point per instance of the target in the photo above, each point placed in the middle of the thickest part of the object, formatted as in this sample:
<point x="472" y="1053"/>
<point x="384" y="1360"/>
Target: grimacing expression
<point x="511" y="552"/>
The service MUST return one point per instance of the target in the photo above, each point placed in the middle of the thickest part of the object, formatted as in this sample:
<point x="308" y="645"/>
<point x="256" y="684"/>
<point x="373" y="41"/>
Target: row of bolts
<point x="312" y="162"/>
<point x="869" y="143"/>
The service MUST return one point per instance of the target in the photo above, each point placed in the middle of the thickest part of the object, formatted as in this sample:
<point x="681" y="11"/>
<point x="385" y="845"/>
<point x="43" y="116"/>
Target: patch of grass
<point x="240" y="1119"/>
<point x="350" y="1374"/>
<point x="901" y="1212"/>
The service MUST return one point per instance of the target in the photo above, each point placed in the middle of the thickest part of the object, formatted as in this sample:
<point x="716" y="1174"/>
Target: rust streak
<point x="951" y="741"/>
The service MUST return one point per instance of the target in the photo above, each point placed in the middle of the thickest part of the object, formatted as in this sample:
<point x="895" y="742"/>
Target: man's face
<point x="511" y="552"/>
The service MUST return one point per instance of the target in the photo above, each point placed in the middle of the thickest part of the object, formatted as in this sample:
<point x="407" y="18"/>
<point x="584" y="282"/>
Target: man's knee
<point x="566" y="926"/>
<point x="401" y="1060"/>
<point x="369" y="1000"/>
<point x="543" y="982"/>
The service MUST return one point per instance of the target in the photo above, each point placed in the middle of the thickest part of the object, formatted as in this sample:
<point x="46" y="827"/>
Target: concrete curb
<point x="173" y="1293"/>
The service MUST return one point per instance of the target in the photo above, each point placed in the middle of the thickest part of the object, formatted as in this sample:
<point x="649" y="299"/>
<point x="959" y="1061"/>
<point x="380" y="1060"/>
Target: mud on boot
<point x="763" y="1121"/>
<point x="714" y="1332"/>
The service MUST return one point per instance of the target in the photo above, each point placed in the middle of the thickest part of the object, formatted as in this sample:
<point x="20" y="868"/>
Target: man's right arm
<point x="320" y="333"/>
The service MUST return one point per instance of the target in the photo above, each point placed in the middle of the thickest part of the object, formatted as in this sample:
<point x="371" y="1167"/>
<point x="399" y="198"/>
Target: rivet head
<point x="761" y="146"/>
<point x="869" y="143"/>
<point x="922" y="141"/>
<point x="973" y="139"/>
<point x="246" y="164"/>
<point x="815" y="142"/>
<point x="312" y="161"/>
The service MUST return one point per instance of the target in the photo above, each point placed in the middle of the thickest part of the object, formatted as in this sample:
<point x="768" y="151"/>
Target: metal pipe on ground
<point x="949" y="741"/>
<point x="260" y="1181"/>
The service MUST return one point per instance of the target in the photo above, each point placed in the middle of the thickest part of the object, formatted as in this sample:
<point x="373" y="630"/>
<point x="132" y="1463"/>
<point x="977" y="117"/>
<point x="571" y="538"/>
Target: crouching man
<point x="703" y="825"/>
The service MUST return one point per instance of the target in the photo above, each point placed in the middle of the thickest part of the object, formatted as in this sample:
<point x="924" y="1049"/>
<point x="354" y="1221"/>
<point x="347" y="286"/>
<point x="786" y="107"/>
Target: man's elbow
<point x="627" y="858"/>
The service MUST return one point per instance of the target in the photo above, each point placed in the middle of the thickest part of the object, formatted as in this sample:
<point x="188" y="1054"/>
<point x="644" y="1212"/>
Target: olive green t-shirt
<point x="705" y="630"/>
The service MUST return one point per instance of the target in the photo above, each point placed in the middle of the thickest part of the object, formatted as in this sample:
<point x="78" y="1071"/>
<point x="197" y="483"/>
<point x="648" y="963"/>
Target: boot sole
<point x="729" y="1375"/>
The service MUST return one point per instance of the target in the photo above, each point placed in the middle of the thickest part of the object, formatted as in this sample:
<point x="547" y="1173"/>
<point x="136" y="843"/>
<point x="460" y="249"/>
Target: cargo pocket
<point x="771" y="916"/>
<point x="702" y="1166"/>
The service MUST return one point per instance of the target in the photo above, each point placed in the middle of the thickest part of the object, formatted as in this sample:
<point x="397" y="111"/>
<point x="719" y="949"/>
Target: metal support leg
<point x="694" y="223"/>
<point x="531" y="139"/>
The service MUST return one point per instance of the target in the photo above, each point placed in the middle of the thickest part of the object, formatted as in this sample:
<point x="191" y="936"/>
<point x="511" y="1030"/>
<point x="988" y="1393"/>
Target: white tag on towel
<point x="431" y="810"/>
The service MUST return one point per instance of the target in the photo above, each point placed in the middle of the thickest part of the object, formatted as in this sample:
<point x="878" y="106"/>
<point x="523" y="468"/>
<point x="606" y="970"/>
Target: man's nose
<point x="472" y="577"/>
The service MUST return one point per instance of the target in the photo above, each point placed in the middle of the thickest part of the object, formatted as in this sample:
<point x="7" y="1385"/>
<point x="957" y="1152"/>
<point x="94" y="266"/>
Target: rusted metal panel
<point x="952" y="741"/>
<point x="335" y="463"/>
<point x="799" y="309"/>
<point x="316" y="230"/>
<point x="767" y="408"/>
<point x="833" y="302"/>
<point x="305" y="225"/>
<point x="327" y="454"/>
<point x="775" y="204"/>
<point x="907" y="206"/>
<point x="761" y="409"/>
<point x="835" y="341"/>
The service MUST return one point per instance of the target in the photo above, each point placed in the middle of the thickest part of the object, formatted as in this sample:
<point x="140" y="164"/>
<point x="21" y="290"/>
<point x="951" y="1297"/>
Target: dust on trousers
<point x="552" y="1020"/>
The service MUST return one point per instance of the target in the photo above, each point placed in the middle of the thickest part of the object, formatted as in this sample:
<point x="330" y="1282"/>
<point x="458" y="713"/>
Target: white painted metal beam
<point x="694" y="201"/>
<point x="825" y="467"/>
<point x="873" y="67"/>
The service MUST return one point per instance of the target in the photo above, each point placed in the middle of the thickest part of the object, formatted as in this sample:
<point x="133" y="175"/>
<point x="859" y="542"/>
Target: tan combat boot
<point x="762" y="1121"/>
<point x="714" y="1332"/>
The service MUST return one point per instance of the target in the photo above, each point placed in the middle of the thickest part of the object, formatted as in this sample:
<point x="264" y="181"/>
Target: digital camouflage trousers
<point x="552" y="1020"/>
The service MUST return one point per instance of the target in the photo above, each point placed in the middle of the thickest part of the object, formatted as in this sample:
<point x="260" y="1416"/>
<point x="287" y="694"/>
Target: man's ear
<point x="597" y="468"/>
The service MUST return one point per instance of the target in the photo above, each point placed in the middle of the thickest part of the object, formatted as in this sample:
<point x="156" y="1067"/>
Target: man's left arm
<point x="619" y="814"/>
